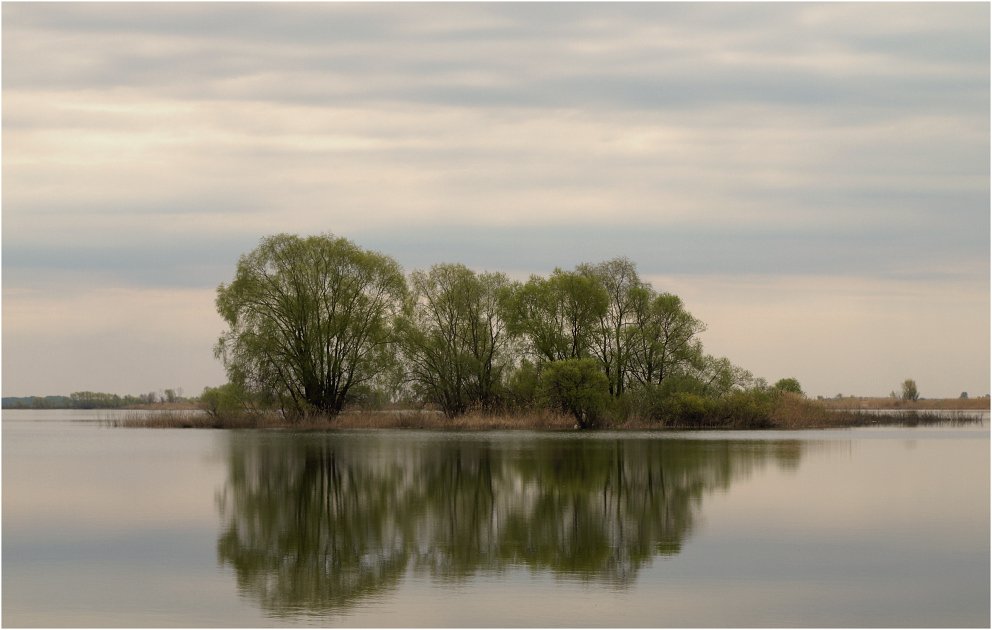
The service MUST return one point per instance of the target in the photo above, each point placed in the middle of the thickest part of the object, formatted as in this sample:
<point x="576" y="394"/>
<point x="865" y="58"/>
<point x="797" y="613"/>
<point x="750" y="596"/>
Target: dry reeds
<point x="400" y="419"/>
<point x="929" y="404"/>
<point x="787" y="411"/>
<point x="182" y="419"/>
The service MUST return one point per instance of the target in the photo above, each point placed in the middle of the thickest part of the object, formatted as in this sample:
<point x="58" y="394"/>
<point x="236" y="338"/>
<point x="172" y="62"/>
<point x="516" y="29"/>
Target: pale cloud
<point x="146" y="146"/>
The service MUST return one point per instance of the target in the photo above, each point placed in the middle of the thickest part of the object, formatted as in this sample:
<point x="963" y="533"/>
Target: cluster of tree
<point x="317" y="323"/>
<point x="92" y="400"/>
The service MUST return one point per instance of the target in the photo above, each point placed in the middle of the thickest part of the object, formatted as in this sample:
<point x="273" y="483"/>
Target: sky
<point x="811" y="179"/>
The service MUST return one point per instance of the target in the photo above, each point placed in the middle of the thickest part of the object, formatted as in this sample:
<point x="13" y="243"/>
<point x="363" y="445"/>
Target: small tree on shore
<point x="789" y="385"/>
<point x="909" y="391"/>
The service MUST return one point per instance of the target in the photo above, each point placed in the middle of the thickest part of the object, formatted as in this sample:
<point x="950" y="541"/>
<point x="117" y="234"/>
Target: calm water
<point x="128" y="527"/>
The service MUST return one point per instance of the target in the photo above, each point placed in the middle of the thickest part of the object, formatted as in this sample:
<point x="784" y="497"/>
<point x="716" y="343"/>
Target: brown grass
<point x="932" y="404"/>
<point x="788" y="413"/>
<point x="186" y="419"/>
<point x="793" y="412"/>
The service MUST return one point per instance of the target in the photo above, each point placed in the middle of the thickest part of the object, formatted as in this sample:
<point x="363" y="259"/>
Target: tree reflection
<point x="317" y="524"/>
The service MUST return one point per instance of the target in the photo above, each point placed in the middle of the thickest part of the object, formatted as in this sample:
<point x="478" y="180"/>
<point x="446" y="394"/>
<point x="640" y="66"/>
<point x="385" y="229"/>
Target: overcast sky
<point x="812" y="179"/>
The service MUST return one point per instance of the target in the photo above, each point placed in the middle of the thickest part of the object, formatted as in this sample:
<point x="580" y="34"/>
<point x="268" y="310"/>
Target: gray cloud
<point x="591" y="56"/>
<point x="892" y="253"/>
<point x="148" y="145"/>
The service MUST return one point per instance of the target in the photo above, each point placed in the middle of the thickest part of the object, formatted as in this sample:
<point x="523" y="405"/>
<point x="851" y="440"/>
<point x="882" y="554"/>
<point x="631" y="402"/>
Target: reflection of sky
<point x="837" y="149"/>
<point x="119" y="527"/>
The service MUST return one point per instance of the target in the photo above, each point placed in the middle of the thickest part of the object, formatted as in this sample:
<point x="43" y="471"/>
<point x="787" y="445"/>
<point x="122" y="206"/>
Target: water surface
<point x="129" y="527"/>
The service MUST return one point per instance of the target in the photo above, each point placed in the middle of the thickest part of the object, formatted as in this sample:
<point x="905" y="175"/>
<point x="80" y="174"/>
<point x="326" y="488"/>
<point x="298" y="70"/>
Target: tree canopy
<point x="316" y="323"/>
<point x="909" y="391"/>
<point x="309" y="318"/>
<point x="453" y="336"/>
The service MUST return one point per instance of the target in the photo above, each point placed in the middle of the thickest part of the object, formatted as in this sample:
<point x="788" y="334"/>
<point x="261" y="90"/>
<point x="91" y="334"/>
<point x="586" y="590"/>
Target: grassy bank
<point x="784" y="412"/>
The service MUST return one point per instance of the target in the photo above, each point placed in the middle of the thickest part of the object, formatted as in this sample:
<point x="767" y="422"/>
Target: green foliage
<point x="576" y="386"/>
<point x="612" y="339"/>
<point x="664" y="338"/>
<point x="316" y="323"/>
<point x="750" y="409"/>
<point x="223" y="401"/>
<point x="790" y="385"/>
<point x="95" y="400"/>
<point x="309" y="318"/>
<point x="909" y="391"/>
<point x="453" y="336"/>
<point x="37" y="402"/>
<point x="522" y="386"/>
<point x="720" y="377"/>
<point x="686" y="402"/>
<point x="88" y="400"/>
<point x="605" y="311"/>
<point x="686" y="409"/>
<point x="558" y="316"/>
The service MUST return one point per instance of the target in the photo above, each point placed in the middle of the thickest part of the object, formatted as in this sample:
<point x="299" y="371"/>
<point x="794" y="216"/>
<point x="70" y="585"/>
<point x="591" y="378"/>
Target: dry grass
<point x="186" y="419"/>
<point x="183" y="419"/>
<point x="793" y="412"/>
<point x="788" y="413"/>
<point x="931" y="404"/>
<point x="796" y="412"/>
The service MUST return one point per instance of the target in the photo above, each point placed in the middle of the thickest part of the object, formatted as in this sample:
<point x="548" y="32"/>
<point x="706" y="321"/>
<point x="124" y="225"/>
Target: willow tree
<point x="612" y="345"/>
<point x="453" y="336"/>
<point x="557" y="316"/>
<point x="665" y="338"/>
<point x="309" y="319"/>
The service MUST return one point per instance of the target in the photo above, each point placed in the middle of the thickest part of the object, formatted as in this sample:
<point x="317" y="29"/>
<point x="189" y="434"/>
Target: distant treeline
<point x="91" y="400"/>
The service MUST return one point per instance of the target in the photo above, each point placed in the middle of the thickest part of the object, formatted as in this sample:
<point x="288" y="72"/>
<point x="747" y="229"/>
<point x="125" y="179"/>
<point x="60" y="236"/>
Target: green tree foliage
<point x="790" y="385"/>
<point x="714" y="377"/>
<point x="453" y="336"/>
<point x="909" y="391"/>
<point x="522" y="386"/>
<point x="558" y="316"/>
<point x="309" y="318"/>
<point x="315" y="323"/>
<point x="612" y="340"/>
<point x="95" y="400"/>
<point x="226" y="400"/>
<point x="665" y="338"/>
<point x="576" y="386"/>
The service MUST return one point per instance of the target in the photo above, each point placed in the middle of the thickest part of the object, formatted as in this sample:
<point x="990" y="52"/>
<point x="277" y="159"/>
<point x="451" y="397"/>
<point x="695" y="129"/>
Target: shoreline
<point x="537" y="421"/>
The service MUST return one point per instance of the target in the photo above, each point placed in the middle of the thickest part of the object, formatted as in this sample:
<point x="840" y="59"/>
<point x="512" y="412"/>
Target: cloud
<point x="146" y="146"/>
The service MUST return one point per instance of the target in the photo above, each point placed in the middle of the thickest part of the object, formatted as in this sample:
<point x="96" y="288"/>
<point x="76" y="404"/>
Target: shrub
<point x="522" y="386"/>
<point x="750" y="409"/>
<point x="790" y="385"/>
<point x="226" y="400"/>
<point x="688" y="410"/>
<point x="578" y="387"/>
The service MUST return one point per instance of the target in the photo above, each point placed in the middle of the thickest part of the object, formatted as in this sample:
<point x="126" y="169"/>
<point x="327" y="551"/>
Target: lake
<point x="157" y="527"/>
